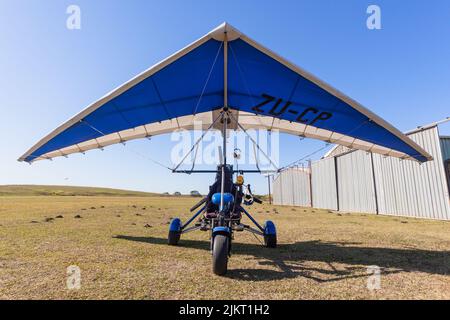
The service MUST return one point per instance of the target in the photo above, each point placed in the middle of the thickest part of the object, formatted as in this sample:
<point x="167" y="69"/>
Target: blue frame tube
<point x="193" y="217"/>
<point x="253" y="220"/>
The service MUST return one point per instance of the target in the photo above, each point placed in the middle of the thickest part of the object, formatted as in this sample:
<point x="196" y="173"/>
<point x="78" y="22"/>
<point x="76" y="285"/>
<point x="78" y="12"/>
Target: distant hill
<point x="41" y="190"/>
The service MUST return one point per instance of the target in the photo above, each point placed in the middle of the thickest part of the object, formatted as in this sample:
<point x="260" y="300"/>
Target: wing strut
<point x="224" y="115"/>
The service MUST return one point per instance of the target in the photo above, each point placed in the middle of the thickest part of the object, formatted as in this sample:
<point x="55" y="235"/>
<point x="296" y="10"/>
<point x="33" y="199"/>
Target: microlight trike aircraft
<point x="227" y="81"/>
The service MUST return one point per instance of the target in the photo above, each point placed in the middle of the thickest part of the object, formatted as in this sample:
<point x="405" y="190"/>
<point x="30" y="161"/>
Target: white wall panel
<point x="323" y="177"/>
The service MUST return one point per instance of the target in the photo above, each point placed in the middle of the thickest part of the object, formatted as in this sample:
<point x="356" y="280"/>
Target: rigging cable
<point x="254" y="142"/>
<point x="326" y="145"/>
<point x="197" y="142"/>
<point x="207" y="80"/>
<point x="128" y="149"/>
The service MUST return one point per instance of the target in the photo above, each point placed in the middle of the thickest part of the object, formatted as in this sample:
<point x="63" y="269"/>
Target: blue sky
<point x="49" y="73"/>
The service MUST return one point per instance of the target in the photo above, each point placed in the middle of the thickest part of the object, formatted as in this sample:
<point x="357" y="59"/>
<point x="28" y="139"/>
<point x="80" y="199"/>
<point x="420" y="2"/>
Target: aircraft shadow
<point x="321" y="261"/>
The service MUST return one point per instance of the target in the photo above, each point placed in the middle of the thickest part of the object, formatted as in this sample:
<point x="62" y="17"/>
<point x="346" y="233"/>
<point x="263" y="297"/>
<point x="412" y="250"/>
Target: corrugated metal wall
<point x="292" y="187"/>
<point x="277" y="195"/>
<point x="445" y="147"/>
<point x="323" y="177"/>
<point x="373" y="183"/>
<point x="407" y="188"/>
<point x="355" y="184"/>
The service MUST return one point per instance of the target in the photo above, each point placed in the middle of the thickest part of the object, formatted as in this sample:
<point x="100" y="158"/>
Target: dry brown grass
<point x="321" y="255"/>
<point x="46" y="190"/>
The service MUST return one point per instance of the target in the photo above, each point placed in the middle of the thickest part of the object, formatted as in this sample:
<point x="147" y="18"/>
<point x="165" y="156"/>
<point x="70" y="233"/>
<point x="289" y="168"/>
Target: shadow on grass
<point x="315" y="259"/>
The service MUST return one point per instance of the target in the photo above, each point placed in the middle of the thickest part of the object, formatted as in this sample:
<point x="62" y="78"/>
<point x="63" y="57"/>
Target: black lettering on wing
<point x="268" y="98"/>
<point x="275" y="112"/>
<point x="301" y="118"/>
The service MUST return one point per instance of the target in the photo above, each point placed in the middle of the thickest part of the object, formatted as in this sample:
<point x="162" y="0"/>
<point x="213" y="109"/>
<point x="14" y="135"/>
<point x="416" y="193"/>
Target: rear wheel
<point x="174" y="237"/>
<point x="174" y="232"/>
<point x="220" y="254"/>
<point x="270" y="234"/>
<point x="270" y="240"/>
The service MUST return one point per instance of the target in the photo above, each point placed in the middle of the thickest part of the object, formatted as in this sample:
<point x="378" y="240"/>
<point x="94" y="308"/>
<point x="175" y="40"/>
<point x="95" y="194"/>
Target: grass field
<point x="119" y="243"/>
<point x="37" y="190"/>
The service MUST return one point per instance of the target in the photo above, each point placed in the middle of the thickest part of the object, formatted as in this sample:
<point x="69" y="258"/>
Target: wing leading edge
<point x="264" y="90"/>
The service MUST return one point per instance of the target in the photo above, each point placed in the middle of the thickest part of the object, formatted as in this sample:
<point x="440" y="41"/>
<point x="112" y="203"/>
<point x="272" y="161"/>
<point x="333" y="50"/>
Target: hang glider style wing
<point x="225" y="68"/>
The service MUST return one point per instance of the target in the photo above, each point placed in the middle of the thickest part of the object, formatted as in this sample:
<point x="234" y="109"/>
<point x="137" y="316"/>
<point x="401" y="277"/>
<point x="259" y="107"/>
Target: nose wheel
<point x="220" y="254"/>
<point x="222" y="234"/>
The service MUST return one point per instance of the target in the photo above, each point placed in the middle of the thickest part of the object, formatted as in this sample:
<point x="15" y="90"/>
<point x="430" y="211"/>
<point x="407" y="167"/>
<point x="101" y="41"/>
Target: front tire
<point x="220" y="254"/>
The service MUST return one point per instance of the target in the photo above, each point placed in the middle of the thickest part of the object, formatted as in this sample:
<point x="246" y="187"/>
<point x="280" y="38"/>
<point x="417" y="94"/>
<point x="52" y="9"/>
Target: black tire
<point x="270" y="240"/>
<point x="220" y="254"/>
<point x="173" y="238"/>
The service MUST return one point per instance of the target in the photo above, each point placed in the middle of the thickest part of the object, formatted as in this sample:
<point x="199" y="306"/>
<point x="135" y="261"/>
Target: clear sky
<point x="48" y="73"/>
